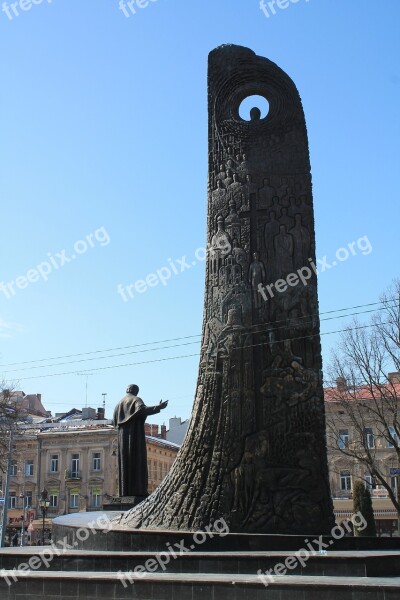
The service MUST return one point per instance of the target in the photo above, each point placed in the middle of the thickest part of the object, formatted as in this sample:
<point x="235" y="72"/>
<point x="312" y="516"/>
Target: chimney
<point x="101" y="414"/>
<point x="394" y="377"/>
<point x="151" y="429"/>
<point x="88" y="413"/>
<point x="341" y="384"/>
<point x="163" y="432"/>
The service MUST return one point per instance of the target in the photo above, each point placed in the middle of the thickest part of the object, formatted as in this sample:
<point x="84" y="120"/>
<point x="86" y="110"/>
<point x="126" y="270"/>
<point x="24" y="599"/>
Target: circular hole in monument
<point x="254" y="108"/>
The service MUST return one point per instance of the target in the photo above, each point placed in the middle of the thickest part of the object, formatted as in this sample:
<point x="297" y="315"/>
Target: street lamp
<point x="44" y="504"/>
<point x="22" y="496"/>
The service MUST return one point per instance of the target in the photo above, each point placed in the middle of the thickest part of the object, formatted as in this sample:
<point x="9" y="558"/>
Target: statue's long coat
<point x="129" y="417"/>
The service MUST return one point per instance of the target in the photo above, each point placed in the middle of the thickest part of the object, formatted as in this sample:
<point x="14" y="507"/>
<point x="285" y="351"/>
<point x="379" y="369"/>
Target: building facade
<point x="75" y="460"/>
<point x="344" y="428"/>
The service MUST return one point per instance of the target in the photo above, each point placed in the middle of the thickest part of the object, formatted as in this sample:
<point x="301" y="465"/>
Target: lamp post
<point x="22" y="496"/>
<point x="44" y="504"/>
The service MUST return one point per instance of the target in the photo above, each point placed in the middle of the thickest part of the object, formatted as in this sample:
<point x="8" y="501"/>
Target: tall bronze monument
<point x="255" y="452"/>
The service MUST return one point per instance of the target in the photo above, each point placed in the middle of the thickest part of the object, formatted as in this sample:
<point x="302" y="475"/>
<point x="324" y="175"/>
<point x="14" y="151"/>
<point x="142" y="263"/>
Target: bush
<point x="362" y="503"/>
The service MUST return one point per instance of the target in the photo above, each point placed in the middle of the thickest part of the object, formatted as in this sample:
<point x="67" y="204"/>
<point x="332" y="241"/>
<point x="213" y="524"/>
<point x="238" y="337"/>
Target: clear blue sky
<point x="104" y="125"/>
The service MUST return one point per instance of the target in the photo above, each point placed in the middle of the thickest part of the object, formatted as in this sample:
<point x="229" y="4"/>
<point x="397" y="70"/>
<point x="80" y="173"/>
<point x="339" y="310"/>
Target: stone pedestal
<point x="123" y="503"/>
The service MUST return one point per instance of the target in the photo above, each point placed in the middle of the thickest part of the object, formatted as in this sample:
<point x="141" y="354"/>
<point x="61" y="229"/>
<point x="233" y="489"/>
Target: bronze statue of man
<point x="129" y="417"/>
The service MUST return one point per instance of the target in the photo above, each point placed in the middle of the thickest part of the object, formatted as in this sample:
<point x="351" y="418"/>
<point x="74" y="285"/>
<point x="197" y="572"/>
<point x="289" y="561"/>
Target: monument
<point x="255" y="452"/>
<point x="254" y="459"/>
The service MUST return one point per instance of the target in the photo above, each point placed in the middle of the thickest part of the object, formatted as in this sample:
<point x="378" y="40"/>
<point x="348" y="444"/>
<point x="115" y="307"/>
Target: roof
<point x="162" y="442"/>
<point x="362" y="392"/>
<point x="29" y="403"/>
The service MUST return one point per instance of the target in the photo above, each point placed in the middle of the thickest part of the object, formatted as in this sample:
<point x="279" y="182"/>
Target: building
<point x="345" y="470"/>
<point x="177" y="430"/>
<point x="74" y="457"/>
<point x="29" y="404"/>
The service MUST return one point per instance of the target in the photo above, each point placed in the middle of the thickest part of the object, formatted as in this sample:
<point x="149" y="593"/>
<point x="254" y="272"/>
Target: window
<point x="369" y="438"/>
<point x="12" y="500"/>
<point x="75" y="466"/>
<point x="343" y="441"/>
<point x="29" y="468"/>
<point x="369" y="481"/>
<point x="345" y="481"/>
<point x="14" y="468"/>
<point x="54" y="463"/>
<point x="96" y="497"/>
<point x="96" y="461"/>
<point x="28" y="499"/>
<point x="74" y="500"/>
<point x="394" y="436"/>
<point x="54" y="500"/>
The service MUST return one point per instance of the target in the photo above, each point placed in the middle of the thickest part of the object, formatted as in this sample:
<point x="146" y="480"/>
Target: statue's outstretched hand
<point x="163" y="404"/>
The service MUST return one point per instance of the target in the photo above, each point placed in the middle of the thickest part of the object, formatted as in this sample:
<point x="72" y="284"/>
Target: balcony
<point x="72" y="475"/>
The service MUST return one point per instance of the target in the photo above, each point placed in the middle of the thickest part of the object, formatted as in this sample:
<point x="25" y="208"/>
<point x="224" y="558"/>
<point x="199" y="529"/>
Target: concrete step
<point x="346" y="564"/>
<point x="57" y="585"/>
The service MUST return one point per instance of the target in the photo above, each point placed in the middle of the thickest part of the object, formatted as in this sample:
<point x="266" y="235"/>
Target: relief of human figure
<point x="229" y="178"/>
<point x="302" y="242"/>
<point x="284" y="248"/>
<point x="256" y="277"/>
<point x="250" y="190"/>
<point x="271" y="229"/>
<point x="266" y="193"/>
<point x="235" y="189"/>
<point x="239" y="254"/>
<point x="244" y="167"/>
<point x="222" y="173"/>
<point x="284" y="219"/>
<point x="232" y="221"/>
<point x="219" y="196"/>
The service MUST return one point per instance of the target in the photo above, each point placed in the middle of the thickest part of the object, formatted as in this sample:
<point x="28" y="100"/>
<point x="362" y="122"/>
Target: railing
<point x="69" y="474"/>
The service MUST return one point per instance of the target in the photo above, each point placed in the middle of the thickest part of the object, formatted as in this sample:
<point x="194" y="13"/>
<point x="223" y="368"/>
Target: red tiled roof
<point x="363" y="392"/>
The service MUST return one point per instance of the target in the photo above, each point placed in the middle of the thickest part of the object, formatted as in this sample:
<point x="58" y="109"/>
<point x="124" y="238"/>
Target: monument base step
<point x="57" y="585"/>
<point x="333" y="564"/>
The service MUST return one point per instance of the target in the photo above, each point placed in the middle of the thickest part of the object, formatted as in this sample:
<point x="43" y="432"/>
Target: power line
<point x="173" y="339"/>
<point x="99" y="351"/>
<point x="250" y="329"/>
<point x="198" y="354"/>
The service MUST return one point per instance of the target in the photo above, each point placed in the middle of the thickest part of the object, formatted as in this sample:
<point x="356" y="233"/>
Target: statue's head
<point x="132" y="389"/>
<point x="255" y="114"/>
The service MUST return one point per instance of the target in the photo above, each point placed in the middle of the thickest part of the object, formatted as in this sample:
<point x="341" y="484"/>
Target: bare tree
<point x="10" y="414"/>
<point x="365" y="397"/>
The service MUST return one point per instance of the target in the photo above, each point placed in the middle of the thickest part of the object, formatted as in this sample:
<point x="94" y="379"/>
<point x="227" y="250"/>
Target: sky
<point x="103" y="178"/>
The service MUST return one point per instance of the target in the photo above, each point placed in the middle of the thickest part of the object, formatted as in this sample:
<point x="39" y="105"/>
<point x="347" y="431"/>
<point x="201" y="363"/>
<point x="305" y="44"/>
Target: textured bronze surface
<point x="255" y="452"/>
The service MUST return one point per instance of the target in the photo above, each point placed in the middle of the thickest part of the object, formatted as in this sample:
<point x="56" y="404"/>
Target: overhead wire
<point x="181" y="338"/>
<point x="257" y="328"/>
<point x="165" y="359"/>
